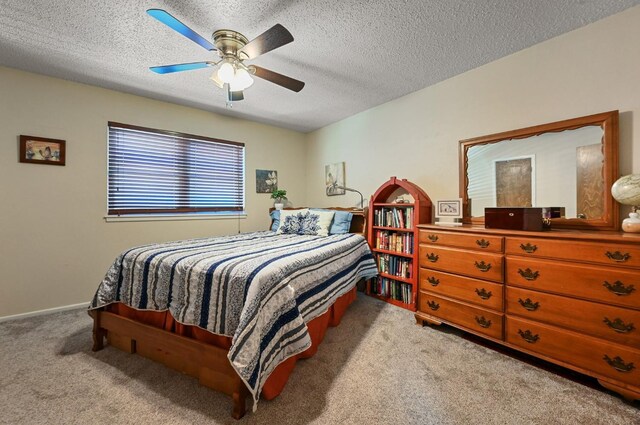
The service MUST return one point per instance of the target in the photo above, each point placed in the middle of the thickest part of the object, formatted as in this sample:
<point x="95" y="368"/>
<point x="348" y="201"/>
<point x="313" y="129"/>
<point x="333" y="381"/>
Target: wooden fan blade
<point x="279" y="79"/>
<point x="274" y="37"/>
<point x="178" y="67"/>
<point x="170" y="21"/>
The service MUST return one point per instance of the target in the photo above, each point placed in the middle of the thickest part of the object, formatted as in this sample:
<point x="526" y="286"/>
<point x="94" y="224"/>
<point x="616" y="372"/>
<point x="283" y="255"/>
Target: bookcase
<point x="393" y="237"/>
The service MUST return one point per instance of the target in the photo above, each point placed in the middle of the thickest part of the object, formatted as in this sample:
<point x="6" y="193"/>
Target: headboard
<point x="358" y="222"/>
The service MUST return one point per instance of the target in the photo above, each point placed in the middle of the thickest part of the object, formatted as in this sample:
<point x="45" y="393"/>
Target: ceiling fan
<point x="233" y="48"/>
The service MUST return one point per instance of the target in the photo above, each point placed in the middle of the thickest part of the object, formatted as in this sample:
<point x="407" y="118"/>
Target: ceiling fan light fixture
<point x="242" y="80"/>
<point x="235" y="85"/>
<point x="226" y="72"/>
<point x="218" y="82"/>
<point x="233" y="48"/>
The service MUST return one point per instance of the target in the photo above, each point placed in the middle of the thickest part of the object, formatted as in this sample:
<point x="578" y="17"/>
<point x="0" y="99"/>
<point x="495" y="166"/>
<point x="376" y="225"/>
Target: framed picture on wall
<point x="266" y="181"/>
<point x="40" y="150"/>
<point x="334" y="179"/>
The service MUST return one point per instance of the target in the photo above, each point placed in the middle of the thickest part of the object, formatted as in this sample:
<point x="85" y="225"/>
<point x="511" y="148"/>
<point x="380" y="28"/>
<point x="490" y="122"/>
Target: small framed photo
<point x="40" y="150"/>
<point x="449" y="208"/>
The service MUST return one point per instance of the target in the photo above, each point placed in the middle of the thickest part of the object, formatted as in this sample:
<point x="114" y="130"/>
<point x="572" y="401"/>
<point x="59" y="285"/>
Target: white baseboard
<point x="43" y="312"/>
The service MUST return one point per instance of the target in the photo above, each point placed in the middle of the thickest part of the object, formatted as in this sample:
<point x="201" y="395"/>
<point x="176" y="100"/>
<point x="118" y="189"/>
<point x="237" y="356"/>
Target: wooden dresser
<point x="568" y="297"/>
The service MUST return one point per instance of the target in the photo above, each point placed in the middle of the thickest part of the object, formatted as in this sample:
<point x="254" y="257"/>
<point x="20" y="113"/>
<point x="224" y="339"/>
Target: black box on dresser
<point x="514" y="218"/>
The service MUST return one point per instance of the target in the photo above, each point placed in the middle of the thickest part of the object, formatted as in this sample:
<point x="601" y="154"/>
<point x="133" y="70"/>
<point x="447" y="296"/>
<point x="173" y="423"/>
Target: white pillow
<point x="305" y="222"/>
<point x="323" y="223"/>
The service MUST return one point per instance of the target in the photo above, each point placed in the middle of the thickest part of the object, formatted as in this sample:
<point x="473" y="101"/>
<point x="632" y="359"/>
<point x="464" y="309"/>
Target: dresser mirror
<point x="569" y="164"/>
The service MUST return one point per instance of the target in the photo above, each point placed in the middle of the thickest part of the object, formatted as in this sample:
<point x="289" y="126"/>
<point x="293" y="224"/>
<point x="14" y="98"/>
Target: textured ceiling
<point x="352" y="54"/>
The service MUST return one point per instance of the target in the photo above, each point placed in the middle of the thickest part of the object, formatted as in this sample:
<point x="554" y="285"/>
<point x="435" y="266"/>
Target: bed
<point x="237" y="311"/>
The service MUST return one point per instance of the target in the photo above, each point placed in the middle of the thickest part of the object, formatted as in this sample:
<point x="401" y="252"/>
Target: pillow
<point x="320" y="225"/>
<point x="275" y="217"/>
<point x="305" y="222"/>
<point x="341" y="221"/>
<point x="289" y="221"/>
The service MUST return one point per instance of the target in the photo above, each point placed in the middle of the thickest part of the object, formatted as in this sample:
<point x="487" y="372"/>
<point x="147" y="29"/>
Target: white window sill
<point x="172" y="217"/>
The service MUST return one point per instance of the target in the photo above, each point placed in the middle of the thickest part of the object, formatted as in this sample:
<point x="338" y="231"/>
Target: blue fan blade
<point x="167" y="69"/>
<point x="178" y="26"/>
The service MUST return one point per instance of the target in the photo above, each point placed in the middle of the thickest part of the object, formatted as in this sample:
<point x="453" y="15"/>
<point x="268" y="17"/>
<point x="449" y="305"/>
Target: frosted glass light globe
<point x="243" y="79"/>
<point x="226" y="73"/>
<point x="626" y="190"/>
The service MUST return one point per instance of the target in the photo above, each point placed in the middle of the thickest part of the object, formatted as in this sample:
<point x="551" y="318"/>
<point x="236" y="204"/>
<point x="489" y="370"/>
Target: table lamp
<point x="626" y="190"/>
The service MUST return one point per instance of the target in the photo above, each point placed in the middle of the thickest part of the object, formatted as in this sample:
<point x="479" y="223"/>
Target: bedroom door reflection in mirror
<point x="569" y="164"/>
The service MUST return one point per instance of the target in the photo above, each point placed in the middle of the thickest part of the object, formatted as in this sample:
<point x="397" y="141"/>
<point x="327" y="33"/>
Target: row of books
<point x="390" y="288"/>
<point x="394" y="217"/>
<point x="396" y="266"/>
<point x="391" y="241"/>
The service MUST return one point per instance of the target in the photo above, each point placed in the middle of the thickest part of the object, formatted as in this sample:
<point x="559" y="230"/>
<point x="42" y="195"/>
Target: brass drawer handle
<point x="482" y="266"/>
<point x="528" y="336"/>
<point x="433" y="305"/>
<point x="529" y="274"/>
<point x="482" y="293"/>
<point x="617" y="256"/>
<point x="528" y="248"/>
<point x="433" y="280"/>
<point x="528" y="304"/>
<point x="618" y="325"/>
<point x="433" y="238"/>
<point x="482" y="243"/>
<point x="618" y="288"/>
<point x="483" y="322"/>
<point x="618" y="364"/>
<point x="432" y="257"/>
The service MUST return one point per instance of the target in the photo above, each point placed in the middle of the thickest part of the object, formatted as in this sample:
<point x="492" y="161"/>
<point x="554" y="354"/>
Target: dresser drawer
<point x="619" y="255"/>
<point x="609" y="285"/>
<point x="476" y="319"/>
<point x="460" y="240"/>
<point x="613" y="323"/>
<point x="592" y="354"/>
<point x="484" y="265"/>
<point x="480" y="292"/>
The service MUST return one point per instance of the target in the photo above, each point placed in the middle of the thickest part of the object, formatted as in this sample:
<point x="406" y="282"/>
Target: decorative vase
<point x="626" y="190"/>
<point x="631" y="224"/>
<point x="278" y="205"/>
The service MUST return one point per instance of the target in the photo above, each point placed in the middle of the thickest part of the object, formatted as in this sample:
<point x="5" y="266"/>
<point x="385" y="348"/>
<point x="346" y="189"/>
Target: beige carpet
<point x="378" y="367"/>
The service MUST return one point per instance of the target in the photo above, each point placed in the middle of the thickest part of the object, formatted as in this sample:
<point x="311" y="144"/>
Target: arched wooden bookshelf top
<point x="390" y="186"/>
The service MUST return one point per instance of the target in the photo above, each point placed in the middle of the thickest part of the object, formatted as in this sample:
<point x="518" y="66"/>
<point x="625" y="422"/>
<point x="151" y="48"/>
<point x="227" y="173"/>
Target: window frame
<point x="179" y="212"/>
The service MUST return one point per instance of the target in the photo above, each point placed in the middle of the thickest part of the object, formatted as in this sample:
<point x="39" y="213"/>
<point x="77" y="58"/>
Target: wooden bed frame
<point x="204" y="361"/>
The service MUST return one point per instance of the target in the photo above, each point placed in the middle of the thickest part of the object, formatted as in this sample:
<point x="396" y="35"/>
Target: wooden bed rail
<point x="206" y="362"/>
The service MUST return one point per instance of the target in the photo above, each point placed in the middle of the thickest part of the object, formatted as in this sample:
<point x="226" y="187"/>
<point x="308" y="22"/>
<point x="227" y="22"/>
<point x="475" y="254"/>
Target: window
<point x="154" y="171"/>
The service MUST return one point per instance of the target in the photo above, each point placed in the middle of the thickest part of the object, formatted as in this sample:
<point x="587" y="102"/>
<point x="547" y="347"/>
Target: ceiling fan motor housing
<point x="229" y="43"/>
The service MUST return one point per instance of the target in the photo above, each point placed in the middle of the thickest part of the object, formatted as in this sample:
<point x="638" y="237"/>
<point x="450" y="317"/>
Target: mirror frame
<point x="608" y="121"/>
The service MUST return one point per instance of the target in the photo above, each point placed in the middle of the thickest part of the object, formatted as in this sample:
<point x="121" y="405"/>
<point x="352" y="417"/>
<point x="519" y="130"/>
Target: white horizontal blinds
<point x="154" y="171"/>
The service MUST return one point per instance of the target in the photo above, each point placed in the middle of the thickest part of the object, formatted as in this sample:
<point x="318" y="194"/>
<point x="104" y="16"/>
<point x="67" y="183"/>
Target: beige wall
<point x="54" y="243"/>
<point x="590" y="70"/>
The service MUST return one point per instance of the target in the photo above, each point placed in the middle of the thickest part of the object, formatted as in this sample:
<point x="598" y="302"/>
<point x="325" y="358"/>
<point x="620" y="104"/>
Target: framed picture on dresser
<point x="451" y="208"/>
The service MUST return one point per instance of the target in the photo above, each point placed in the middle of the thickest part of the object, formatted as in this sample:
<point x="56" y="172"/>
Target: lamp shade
<point x="217" y="80"/>
<point x="226" y="72"/>
<point x="241" y="81"/>
<point x="626" y="190"/>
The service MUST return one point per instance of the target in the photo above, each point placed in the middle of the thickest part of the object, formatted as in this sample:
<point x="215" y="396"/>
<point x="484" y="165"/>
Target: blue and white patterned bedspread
<point x="258" y="288"/>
